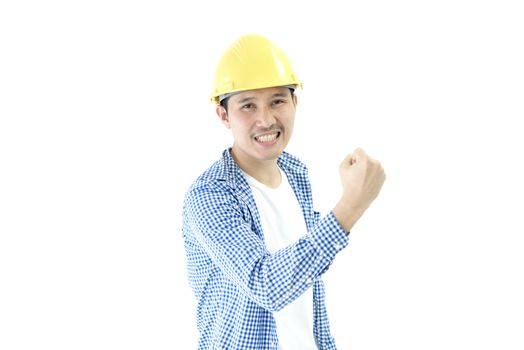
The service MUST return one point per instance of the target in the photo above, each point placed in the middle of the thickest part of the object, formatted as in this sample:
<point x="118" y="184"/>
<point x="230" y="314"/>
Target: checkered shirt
<point x="238" y="283"/>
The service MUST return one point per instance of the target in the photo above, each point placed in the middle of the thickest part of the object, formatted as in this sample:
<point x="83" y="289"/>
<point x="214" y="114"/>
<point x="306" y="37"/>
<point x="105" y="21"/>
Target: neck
<point x="264" y="171"/>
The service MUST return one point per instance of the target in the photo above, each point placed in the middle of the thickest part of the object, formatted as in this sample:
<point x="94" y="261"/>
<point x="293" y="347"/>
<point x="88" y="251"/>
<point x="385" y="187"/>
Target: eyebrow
<point x="245" y="99"/>
<point x="250" y="98"/>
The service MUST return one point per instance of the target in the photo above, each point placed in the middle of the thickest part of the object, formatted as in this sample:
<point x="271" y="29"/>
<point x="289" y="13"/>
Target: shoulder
<point x="214" y="176"/>
<point x="217" y="181"/>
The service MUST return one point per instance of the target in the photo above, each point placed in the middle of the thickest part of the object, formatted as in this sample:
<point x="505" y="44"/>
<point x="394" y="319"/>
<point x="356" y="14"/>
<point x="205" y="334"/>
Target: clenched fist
<point x="362" y="178"/>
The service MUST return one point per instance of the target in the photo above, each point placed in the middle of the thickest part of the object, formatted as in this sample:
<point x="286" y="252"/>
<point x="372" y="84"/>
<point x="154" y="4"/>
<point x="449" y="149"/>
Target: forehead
<point x="260" y="93"/>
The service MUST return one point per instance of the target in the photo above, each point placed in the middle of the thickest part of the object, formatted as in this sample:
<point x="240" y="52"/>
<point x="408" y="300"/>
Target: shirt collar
<point x="233" y="176"/>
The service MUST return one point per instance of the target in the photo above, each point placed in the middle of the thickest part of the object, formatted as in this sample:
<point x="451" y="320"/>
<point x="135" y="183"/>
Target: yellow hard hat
<point x="252" y="62"/>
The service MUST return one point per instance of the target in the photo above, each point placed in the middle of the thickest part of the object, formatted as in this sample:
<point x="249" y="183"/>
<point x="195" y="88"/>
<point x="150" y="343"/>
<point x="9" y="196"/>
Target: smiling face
<point x="262" y="122"/>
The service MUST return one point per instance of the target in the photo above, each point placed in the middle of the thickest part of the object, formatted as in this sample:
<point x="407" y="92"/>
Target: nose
<point x="266" y="118"/>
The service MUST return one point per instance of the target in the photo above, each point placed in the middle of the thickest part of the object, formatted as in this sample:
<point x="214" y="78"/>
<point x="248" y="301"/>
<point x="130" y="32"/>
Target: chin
<point x="271" y="155"/>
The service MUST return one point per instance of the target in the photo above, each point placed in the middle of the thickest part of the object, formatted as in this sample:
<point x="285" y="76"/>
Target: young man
<point x="256" y="249"/>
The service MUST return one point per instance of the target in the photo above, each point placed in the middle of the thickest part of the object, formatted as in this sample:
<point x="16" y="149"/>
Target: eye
<point x="278" y="102"/>
<point x="248" y="106"/>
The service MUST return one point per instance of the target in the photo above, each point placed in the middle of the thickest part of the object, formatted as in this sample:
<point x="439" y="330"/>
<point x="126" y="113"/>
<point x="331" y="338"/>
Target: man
<point x="255" y="247"/>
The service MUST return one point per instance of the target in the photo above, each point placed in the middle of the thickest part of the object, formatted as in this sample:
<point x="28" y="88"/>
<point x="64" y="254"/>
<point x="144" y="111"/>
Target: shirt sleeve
<point x="215" y="217"/>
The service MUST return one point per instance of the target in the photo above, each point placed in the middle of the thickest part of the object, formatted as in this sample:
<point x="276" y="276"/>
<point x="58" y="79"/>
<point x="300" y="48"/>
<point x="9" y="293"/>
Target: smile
<point x="267" y="137"/>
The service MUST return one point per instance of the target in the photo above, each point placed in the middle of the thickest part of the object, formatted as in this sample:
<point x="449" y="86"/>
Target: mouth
<point x="268" y="138"/>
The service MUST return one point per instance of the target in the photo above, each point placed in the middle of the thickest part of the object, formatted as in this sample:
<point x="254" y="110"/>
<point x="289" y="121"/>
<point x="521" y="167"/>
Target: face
<point x="261" y="122"/>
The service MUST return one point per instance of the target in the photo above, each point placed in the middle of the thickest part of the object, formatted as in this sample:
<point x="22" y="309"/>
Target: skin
<point x="262" y="121"/>
<point x="362" y="178"/>
<point x="254" y="117"/>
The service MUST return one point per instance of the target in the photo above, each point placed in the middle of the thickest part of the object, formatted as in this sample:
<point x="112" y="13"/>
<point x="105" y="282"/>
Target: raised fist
<point x="362" y="178"/>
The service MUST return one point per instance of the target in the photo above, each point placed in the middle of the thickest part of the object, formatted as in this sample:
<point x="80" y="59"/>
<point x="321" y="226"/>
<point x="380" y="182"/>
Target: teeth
<point x="267" y="138"/>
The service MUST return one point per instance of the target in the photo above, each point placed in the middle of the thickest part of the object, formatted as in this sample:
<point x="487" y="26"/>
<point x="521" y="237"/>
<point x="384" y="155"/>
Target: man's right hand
<point x="362" y="178"/>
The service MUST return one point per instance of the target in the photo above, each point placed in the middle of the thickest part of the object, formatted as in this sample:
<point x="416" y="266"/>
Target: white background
<point x="105" y="121"/>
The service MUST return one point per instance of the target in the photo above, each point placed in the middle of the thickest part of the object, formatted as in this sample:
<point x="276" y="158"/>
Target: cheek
<point x="240" y="130"/>
<point x="289" y="122"/>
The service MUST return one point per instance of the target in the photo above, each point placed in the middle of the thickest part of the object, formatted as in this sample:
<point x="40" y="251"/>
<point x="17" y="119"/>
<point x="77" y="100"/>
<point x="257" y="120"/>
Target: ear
<point x="222" y="114"/>
<point x="295" y="100"/>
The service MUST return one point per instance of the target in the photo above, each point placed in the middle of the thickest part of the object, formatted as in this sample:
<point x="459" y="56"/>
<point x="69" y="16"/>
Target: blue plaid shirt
<point x="237" y="282"/>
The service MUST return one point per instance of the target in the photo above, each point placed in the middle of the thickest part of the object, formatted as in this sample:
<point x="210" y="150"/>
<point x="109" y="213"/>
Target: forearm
<point x="271" y="280"/>
<point x="347" y="215"/>
<point x="306" y="260"/>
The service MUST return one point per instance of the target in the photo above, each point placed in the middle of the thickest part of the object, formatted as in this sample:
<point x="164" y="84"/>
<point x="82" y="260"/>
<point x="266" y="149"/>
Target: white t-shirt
<point x="283" y="223"/>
